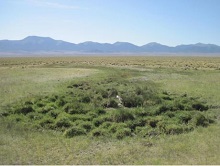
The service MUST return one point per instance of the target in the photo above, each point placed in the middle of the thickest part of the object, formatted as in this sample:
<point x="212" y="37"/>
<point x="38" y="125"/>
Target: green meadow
<point x="110" y="110"/>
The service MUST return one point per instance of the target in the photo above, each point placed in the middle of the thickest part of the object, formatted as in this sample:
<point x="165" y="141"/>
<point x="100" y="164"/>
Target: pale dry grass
<point x="17" y="83"/>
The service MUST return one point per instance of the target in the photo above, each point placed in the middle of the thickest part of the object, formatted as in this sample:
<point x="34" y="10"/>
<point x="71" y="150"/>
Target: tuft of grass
<point x="74" y="131"/>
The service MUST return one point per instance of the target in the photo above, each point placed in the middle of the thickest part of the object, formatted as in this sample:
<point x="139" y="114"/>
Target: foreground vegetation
<point x="135" y="113"/>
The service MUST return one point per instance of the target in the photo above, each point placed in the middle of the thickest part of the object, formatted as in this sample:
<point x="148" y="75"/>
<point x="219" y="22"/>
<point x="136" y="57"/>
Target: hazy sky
<point x="169" y="22"/>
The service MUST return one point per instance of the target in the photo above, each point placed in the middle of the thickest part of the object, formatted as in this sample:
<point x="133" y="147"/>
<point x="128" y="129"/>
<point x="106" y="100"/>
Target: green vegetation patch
<point x="113" y="107"/>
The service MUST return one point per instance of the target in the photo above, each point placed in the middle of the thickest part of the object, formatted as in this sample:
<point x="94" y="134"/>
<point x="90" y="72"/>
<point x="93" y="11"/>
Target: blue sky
<point x="169" y="22"/>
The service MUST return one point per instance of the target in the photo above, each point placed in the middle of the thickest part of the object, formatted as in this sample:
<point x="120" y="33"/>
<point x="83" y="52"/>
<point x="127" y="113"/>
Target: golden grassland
<point x="123" y="61"/>
<point x="29" y="77"/>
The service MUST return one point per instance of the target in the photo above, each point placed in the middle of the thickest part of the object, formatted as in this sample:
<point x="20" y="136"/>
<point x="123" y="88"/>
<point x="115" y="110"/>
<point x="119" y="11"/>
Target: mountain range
<point x="35" y="44"/>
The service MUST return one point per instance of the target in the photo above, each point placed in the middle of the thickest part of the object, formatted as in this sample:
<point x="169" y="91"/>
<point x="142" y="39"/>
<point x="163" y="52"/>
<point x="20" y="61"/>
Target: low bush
<point x="99" y="120"/>
<point x="132" y="100"/>
<point x="46" y="122"/>
<point x="184" y="116"/>
<point x="142" y="131"/>
<point x="24" y="110"/>
<point x="34" y="116"/>
<point x="152" y="121"/>
<point x="122" y="132"/>
<point x="121" y="115"/>
<point x="63" y="121"/>
<point x="116" y="126"/>
<point x="106" y="125"/>
<point x="54" y="113"/>
<point x="174" y="129"/>
<point x="74" y="131"/>
<point x="111" y="103"/>
<point x="200" y="120"/>
<point x="88" y="126"/>
<point x="84" y="117"/>
<point x="73" y="108"/>
<point x="199" y="106"/>
<point x="138" y="122"/>
<point x="99" y="132"/>
<point x="60" y="101"/>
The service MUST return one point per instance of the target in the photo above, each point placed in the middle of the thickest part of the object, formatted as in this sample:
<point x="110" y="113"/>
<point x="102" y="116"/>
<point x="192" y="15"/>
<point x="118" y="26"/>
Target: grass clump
<point x="121" y="115"/>
<point x="74" y="131"/>
<point x="114" y="107"/>
<point x="98" y="132"/>
<point x="122" y="132"/>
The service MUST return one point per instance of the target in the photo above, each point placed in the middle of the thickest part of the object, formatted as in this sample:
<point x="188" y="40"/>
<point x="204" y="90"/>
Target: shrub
<point x="174" y="129"/>
<point x="60" y="101"/>
<point x="141" y="131"/>
<point x="99" y="111"/>
<point x="24" y="110"/>
<point x="200" y="120"/>
<point x="166" y="97"/>
<point x="98" y="132"/>
<point x="85" y="98"/>
<point x="184" y="116"/>
<point x="54" y="113"/>
<point x="92" y="114"/>
<point x="132" y="100"/>
<point x="103" y="93"/>
<point x="117" y="126"/>
<point x="4" y="114"/>
<point x="99" y="120"/>
<point x="83" y="117"/>
<point x="199" y="106"/>
<point x="179" y="106"/>
<point x="121" y="115"/>
<point x="40" y="104"/>
<point x="139" y="122"/>
<point x="112" y="92"/>
<point x="88" y="126"/>
<point x="106" y="125"/>
<point x="28" y="103"/>
<point x="46" y="122"/>
<point x="111" y="103"/>
<point x="35" y="116"/>
<point x="141" y="112"/>
<point x="152" y="121"/>
<point x="164" y="108"/>
<point x="122" y="132"/>
<point x="62" y="121"/>
<point x="153" y="132"/>
<point x="17" y="118"/>
<point x="170" y="114"/>
<point x="74" y="131"/>
<point x="47" y="108"/>
<point x="74" y="108"/>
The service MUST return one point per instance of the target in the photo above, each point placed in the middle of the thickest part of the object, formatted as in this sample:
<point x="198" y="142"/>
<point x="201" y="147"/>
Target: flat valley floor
<point x="26" y="78"/>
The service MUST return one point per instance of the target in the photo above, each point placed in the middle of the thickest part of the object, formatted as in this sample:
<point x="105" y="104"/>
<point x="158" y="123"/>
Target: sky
<point x="169" y="22"/>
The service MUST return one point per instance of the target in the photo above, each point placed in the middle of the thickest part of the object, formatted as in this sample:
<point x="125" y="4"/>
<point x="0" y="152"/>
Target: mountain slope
<point x="47" y="44"/>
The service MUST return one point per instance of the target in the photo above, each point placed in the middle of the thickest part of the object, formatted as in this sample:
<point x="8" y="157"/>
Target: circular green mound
<point x="112" y="108"/>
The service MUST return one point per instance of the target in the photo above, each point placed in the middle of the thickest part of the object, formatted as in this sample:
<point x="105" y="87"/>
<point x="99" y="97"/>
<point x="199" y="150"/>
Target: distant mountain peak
<point x="89" y="42"/>
<point x="36" y="38"/>
<point x="118" y="43"/>
<point x="153" y="44"/>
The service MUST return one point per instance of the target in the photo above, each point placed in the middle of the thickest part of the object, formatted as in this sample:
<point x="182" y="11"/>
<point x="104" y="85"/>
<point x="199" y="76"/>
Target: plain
<point x="27" y="78"/>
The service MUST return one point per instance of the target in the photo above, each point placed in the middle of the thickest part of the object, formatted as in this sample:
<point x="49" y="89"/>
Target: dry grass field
<point x="23" y="79"/>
